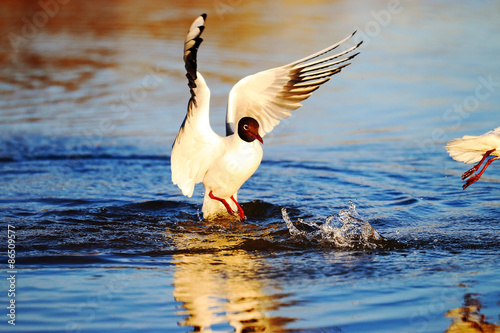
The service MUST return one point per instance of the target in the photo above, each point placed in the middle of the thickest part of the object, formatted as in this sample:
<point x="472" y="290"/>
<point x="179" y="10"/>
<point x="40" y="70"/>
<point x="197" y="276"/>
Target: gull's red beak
<point x="258" y="137"/>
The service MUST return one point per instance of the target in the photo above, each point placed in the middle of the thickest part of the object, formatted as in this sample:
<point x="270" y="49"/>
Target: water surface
<point x="92" y="96"/>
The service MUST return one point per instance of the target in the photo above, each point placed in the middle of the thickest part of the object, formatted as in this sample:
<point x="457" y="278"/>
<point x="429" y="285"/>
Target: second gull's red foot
<point x="476" y="177"/>
<point x="476" y="167"/>
<point x="472" y="148"/>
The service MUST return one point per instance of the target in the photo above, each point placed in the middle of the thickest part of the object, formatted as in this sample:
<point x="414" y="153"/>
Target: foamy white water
<point x="346" y="229"/>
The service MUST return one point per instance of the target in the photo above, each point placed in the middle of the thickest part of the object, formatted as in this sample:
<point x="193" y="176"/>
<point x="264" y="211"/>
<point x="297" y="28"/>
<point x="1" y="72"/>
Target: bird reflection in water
<point x="469" y="319"/>
<point x="220" y="288"/>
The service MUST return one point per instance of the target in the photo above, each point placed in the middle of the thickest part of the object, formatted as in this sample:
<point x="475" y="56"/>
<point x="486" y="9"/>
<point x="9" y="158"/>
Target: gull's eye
<point x="245" y="127"/>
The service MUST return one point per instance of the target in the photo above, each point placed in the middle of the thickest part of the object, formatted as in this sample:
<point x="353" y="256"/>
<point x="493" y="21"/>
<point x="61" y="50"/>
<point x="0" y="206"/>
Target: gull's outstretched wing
<point x="271" y="95"/>
<point x="196" y="146"/>
<point x="470" y="149"/>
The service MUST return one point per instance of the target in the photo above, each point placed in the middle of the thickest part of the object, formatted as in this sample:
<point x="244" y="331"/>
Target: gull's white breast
<point x="239" y="161"/>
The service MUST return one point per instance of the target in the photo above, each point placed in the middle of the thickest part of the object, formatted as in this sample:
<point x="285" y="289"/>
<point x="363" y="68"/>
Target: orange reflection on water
<point x="469" y="319"/>
<point x="224" y="288"/>
<point x="224" y="284"/>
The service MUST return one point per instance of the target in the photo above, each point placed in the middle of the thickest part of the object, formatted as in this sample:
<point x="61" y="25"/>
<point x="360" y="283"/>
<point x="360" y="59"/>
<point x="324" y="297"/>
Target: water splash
<point x="343" y="230"/>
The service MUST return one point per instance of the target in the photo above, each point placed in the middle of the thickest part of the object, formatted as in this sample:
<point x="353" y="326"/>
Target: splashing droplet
<point x="344" y="230"/>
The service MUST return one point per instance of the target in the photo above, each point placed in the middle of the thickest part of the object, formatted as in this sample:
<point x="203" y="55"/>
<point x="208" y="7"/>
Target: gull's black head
<point x="248" y="129"/>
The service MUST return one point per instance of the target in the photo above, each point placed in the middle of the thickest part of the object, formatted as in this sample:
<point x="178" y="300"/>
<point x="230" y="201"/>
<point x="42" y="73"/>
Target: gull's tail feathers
<point x="470" y="148"/>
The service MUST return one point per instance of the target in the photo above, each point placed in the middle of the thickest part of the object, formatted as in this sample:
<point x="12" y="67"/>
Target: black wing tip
<point x="360" y="42"/>
<point x="191" y="53"/>
<point x="190" y="60"/>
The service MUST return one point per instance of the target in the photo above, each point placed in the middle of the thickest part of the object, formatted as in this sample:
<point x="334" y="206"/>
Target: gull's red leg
<point x="476" y="167"/>
<point x="241" y="213"/>
<point x="224" y="202"/>
<point x="474" y="178"/>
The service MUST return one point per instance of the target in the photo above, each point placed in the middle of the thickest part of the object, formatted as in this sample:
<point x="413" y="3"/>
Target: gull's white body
<point x="470" y="149"/>
<point x="223" y="164"/>
<point x="235" y="164"/>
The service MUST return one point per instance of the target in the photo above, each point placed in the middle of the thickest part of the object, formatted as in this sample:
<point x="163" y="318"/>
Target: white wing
<point x="196" y="146"/>
<point x="470" y="149"/>
<point x="271" y="95"/>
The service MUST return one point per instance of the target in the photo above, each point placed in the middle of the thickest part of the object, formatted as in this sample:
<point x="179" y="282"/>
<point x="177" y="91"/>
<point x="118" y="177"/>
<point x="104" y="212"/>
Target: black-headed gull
<point x="256" y="104"/>
<point x="470" y="149"/>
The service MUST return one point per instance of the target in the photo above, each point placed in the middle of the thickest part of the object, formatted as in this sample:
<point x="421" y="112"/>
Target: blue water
<point x="380" y="236"/>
